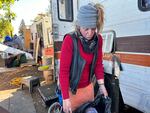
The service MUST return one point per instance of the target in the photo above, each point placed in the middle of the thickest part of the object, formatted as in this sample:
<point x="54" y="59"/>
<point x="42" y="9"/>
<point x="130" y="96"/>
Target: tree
<point x="6" y="27"/>
<point x="21" y="27"/>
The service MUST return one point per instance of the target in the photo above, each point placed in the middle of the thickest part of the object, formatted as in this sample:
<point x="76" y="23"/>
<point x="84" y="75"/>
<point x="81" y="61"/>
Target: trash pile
<point x="12" y="52"/>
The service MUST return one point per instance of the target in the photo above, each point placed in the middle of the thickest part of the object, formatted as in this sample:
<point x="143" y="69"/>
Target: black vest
<point x="78" y="63"/>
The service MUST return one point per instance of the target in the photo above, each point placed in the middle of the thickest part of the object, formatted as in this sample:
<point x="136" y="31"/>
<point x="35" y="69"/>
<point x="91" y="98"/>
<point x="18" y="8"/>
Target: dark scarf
<point x="89" y="46"/>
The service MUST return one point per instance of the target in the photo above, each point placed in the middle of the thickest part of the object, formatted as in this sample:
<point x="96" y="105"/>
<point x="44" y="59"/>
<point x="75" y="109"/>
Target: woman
<point x="76" y="66"/>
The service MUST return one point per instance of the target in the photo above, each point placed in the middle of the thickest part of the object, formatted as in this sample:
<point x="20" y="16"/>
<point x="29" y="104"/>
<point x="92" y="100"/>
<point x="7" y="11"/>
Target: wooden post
<point x="37" y="49"/>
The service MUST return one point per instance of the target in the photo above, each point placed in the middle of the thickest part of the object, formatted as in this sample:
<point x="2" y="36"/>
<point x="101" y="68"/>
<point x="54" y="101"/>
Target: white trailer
<point x="126" y="34"/>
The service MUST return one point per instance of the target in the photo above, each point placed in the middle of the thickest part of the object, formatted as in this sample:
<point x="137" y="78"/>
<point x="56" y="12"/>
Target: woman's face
<point x="87" y="32"/>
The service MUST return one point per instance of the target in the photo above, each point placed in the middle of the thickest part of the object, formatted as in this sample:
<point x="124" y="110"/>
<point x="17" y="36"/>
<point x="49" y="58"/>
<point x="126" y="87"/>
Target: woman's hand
<point x="103" y="90"/>
<point x="67" y="106"/>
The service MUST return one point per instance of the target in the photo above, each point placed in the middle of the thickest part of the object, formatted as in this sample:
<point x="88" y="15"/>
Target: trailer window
<point x="108" y="40"/>
<point x="144" y="5"/>
<point x="65" y="10"/>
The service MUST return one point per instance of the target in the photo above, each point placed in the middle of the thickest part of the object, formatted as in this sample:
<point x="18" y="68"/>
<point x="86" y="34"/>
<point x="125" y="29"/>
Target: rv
<point x="126" y="35"/>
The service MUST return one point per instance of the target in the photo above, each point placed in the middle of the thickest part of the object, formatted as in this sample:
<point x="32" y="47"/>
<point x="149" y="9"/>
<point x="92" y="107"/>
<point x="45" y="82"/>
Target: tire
<point x="55" y="108"/>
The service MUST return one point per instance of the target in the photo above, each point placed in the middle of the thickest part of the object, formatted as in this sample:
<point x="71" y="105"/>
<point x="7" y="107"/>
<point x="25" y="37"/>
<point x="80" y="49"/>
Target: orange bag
<point x="82" y="96"/>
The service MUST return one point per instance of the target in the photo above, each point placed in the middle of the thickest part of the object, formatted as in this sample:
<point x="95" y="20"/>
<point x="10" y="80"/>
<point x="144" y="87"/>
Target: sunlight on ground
<point x="4" y="69"/>
<point x="5" y="94"/>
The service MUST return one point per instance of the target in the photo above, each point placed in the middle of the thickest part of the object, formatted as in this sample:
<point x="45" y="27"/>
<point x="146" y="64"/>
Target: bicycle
<point x="56" y="107"/>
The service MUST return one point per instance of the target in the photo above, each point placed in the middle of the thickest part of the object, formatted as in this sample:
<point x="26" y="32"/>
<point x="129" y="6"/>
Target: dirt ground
<point x="6" y="77"/>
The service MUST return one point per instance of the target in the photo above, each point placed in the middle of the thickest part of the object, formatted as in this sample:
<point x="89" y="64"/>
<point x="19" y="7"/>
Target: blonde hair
<point x="100" y="19"/>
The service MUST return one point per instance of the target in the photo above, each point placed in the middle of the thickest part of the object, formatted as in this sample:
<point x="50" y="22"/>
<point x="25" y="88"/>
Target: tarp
<point x="14" y="51"/>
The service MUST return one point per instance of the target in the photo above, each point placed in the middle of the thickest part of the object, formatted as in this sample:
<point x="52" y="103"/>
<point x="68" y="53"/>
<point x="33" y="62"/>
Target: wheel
<point x="55" y="108"/>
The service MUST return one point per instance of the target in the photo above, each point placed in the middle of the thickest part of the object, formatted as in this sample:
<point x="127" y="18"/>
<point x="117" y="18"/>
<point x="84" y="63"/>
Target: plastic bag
<point x="101" y="103"/>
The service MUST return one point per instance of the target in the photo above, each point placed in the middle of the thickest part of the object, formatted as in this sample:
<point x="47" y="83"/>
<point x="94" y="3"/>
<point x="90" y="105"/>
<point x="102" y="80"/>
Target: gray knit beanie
<point x="87" y="16"/>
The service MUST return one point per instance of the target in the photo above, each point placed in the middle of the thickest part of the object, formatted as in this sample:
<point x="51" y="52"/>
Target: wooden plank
<point x="37" y="50"/>
<point x="29" y="63"/>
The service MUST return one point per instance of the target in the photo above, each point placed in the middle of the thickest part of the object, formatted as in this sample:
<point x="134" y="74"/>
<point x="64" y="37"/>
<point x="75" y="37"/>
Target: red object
<point x="65" y="63"/>
<point x="49" y="51"/>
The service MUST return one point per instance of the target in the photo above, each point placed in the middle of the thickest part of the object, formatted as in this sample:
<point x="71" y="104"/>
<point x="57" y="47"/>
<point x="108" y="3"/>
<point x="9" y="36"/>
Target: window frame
<point x="71" y="6"/>
<point x="142" y="8"/>
<point x="105" y="36"/>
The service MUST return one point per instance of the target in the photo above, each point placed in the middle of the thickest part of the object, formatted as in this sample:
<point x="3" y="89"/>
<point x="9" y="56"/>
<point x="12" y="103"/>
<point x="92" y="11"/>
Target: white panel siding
<point x="135" y="86"/>
<point x="107" y="66"/>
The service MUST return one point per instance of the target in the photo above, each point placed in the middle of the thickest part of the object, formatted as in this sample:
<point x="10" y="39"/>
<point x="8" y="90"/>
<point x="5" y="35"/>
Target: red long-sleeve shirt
<point x="65" y="63"/>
